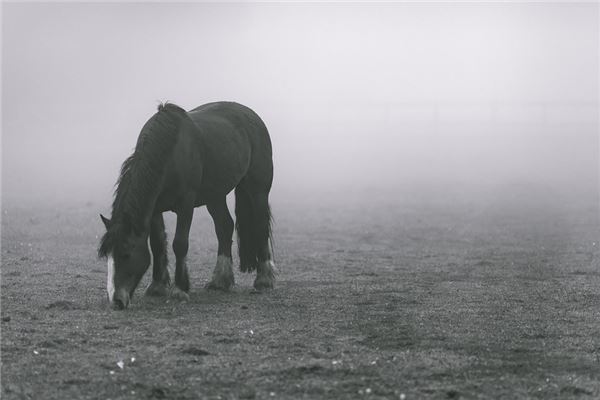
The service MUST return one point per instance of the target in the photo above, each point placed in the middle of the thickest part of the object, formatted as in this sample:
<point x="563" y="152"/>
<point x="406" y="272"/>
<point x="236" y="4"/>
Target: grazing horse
<point x="184" y="160"/>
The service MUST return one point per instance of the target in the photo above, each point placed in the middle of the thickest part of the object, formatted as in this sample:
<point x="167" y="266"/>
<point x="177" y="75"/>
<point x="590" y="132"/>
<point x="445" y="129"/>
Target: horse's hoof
<point x="223" y="282"/>
<point x="157" y="289"/>
<point x="263" y="284"/>
<point x="216" y="285"/>
<point x="179" y="294"/>
<point x="223" y="275"/>
<point x="265" y="276"/>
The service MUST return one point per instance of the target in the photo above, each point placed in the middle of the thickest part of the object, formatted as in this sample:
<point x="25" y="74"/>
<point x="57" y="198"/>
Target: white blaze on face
<point x="110" y="279"/>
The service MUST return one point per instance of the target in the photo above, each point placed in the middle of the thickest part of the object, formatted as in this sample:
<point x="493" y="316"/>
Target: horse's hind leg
<point x="158" y="245"/>
<point x="265" y="273"/>
<point x="223" y="274"/>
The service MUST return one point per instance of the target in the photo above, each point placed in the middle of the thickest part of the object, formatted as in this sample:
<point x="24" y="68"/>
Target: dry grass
<point x="486" y="298"/>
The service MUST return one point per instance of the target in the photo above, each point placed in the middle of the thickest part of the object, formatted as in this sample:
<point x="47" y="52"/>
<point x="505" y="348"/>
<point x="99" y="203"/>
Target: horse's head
<point x="126" y="250"/>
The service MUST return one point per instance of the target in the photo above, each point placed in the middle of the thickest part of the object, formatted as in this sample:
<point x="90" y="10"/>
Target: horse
<point x="183" y="160"/>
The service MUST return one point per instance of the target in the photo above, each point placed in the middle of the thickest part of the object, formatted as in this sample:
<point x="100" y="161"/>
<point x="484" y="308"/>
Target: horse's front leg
<point x="158" y="245"/>
<point x="180" y="248"/>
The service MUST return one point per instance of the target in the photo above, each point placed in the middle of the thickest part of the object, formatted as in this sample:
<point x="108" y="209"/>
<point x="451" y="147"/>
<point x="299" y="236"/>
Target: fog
<point x="357" y="97"/>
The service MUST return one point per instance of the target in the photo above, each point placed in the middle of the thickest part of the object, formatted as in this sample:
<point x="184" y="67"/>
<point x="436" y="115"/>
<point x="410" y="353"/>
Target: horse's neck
<point x="139" y="202"/>
<point x="142" y="174"/>
<point x="148" y="206"/>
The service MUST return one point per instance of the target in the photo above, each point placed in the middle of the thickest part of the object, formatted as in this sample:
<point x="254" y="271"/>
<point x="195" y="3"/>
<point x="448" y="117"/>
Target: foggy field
<point x="436" y="200"/>
<point x="435" y="194"/>
<point x="490" y="294"/>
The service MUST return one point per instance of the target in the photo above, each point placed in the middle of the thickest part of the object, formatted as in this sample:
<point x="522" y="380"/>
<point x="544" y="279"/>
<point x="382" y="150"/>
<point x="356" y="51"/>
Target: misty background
<point x="358" y="98"/>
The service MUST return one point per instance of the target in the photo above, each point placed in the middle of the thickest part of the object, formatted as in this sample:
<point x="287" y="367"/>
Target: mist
<point x="358" y="98"/>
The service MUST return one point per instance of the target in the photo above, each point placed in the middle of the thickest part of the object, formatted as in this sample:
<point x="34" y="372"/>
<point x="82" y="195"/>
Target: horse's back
<point x="238" y="115"/>
<point x="237" y="143"/>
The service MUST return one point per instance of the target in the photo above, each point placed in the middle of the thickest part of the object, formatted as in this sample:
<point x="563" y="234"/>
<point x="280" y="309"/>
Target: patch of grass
<point x="429" y="300"/>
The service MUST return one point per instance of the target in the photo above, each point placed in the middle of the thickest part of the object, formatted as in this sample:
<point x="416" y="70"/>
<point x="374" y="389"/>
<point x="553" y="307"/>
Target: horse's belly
<point x="218" y="182"/>
<point x="227" y="163"/>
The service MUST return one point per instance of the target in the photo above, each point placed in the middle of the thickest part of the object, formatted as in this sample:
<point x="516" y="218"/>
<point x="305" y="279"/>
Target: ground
<point x="443" y="296"/>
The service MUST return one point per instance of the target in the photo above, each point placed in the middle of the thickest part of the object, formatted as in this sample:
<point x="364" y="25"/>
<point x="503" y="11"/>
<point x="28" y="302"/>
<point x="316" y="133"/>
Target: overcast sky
<point x="354" y="95"/>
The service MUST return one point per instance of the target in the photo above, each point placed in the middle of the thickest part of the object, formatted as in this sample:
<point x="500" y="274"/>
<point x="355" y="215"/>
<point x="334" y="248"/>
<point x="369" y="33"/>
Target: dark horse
<point x="184" y="160"/>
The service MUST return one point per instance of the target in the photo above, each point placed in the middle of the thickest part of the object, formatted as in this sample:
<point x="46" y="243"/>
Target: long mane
<point x="140" y="174"/>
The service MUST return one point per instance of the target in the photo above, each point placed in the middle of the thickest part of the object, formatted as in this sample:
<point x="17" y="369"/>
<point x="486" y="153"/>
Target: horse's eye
<point x="126" y="257"/>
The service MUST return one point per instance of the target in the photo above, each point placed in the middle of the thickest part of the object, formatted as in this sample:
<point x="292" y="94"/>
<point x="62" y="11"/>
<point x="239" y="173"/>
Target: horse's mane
<point x="140" y="174"/>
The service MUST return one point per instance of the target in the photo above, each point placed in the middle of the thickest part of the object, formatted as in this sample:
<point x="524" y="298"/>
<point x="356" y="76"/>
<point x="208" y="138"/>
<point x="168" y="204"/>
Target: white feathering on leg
<point x="223" y="274"/>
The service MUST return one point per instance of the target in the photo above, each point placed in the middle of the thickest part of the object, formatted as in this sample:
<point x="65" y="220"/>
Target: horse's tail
<point x="253" y="225"/>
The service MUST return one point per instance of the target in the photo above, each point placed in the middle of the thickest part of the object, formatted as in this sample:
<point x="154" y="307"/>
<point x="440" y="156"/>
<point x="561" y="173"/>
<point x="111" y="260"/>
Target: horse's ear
<point x="105" y="221"/>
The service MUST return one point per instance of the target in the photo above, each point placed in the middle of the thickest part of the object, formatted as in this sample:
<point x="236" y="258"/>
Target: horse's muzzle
<point x="120" y="300"/>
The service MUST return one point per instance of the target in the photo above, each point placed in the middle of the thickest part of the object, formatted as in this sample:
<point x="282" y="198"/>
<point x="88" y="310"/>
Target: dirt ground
<point x="492" y="295"/>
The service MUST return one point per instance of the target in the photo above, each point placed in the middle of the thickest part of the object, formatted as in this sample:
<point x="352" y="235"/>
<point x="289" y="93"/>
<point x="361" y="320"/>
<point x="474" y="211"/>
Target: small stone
<point x="6" y="319"/>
